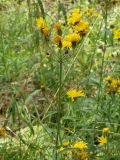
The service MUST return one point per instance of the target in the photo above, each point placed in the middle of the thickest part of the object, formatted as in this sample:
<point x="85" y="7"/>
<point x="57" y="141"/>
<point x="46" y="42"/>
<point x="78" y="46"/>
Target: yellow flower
<point x="82" y="27"/>
<point x="40" y="23"/>
<point x="74" y="18"/>
<point x="83" y="155"/>
<point x="81" y="145"/>
<point x="102" y="140"/>
<point x="114" y="83"/>
<point x="45" y="31"/>
<point x="66" y="143"/>
<point x="108" y="78"/>
<point x="117" y="34"/>
<point x="66" y="44"/>
<point x="57" y="39"/>
<point x="80" y="152"/>
<point x="57" y="26"/>
<point x="105" y="131"/>
<point x="74" y="37"/>
<point x="2" y="132"/>
<point x="73" y="94"/>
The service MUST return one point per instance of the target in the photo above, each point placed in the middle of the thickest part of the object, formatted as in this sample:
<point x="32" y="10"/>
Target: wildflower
<point x="66" y="44"/>
<point x="73" y="38"/>
<point x="57" y="39"/>
<point x="117" y="34"/>
<point x="81" y="145"/>
<point x="57" y="26"/>
<point x="66" y="143"/>
<point x="113" y="85"/>
<point x="40" y="23"/>
<point x="73" y="94"/>
<point x="45" y="31"/>
<point x="80" y="152"/>
<point x="75" y="18"/>
<point x="108" y="78"/>
<point x="2" y="132"/>
<point x="106" y="130"/>
<point x="102" y="140"/>
<point x="82" y="27"/>
<point x="83" y="155"/>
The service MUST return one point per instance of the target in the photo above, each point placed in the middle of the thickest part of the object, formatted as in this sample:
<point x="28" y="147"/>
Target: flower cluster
<point x="74" y="94"/>
<point x="78" y="28"/>
<point x="77" y="150"/>
<point x="77" y="23"/>
<point x="80" y="151"/>
<point x="113" y="85"/>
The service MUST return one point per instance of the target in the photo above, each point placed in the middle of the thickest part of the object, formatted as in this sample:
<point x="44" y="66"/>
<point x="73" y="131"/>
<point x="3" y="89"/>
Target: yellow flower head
<point x="75" y="18"/>
<point x="117" y="34"/>
<point x="113" y="85"/>
<point x="102" y="140"/>
<point x="114" y="82"/>
<point x="82" y="27"/>
<point x="57" y="26"/>
<point x="66" y="44"/>
<point x="2" y="132"/>
<point x="81" y="145"/>
<point x="83" y="155"/>
<point x="45" y="31"/>
<point x="106" y="130"/>
<point x="73" y="94"/>
<point x="40" y="23"/>
<point x="66" y="143"/>
<point x="57" y="39"/>
<point x="74" y="37"/>
<point x="108" y="78"/>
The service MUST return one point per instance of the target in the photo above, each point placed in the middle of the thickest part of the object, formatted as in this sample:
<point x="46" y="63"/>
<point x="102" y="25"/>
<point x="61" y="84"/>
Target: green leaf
<point x="41" y="7"/>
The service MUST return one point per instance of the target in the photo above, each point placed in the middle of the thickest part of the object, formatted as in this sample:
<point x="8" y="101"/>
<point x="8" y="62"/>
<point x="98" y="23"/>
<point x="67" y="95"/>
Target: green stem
<point x="103" y="55"/>
<point x="59" y="104"/>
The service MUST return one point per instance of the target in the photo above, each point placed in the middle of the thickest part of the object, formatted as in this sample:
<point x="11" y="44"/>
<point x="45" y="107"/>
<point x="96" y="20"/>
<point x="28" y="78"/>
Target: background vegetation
<point x="39" y="117"/>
